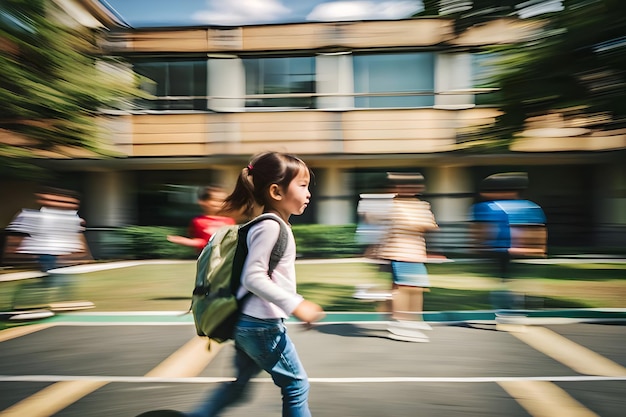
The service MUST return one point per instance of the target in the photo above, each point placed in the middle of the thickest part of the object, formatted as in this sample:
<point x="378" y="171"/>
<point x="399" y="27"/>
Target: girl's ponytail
<point x="242" y="198"/>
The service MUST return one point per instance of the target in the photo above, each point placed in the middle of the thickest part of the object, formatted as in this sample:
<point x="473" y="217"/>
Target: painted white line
<point x="363" y="380"/>
<point x="132" y="313"/>
<point x="16" y="276"/>
<point x="123" y="323"/>
<point x="81" y="269"/>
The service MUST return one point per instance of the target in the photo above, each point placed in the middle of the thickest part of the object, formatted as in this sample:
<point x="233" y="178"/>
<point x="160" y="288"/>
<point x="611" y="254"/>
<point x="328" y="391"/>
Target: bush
<point x="324" y="241"/>
<point x="150" y="242"/>
<point x="313" y="241"/>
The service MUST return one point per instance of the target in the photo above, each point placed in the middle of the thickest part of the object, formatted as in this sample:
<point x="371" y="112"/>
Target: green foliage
<point x="574" y="66"/>
<point x="312" y="241"/>
<point x="323" y="241"/>
<point x="150" y="242"/>
<point x="54" y="80"/>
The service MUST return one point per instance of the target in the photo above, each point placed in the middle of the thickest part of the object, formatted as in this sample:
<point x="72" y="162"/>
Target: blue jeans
<point x="264" y="345"/>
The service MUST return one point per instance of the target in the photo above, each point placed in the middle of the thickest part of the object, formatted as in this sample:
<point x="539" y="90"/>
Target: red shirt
<point x="203" y="227"/>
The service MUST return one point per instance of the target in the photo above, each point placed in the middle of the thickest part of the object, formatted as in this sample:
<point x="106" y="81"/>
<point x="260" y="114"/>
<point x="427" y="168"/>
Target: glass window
<point x="176" y="84"/>
<point x="396" y="74"/>
<point x="280" y="76"/>
<point x="483" y="73"/>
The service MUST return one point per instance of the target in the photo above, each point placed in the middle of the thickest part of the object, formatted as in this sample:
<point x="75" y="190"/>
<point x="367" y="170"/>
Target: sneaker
<point x="415" y="339"/>
<point x="368" y="292"/>
<point x="406" y="332"/>
<point x="419" y="325"/>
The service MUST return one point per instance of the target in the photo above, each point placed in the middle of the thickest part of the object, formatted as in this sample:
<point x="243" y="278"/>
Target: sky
<point x="162" y="13"/>
<point x="155" y="13"/>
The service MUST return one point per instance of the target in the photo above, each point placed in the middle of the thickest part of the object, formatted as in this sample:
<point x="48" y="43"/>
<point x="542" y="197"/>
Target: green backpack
<point x="214" y="304"/>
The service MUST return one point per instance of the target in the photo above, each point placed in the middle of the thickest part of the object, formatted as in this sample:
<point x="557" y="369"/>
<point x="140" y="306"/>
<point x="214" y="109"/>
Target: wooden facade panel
<point x="225" y="39"/>
<point x="250" y="148"/>
<point x="397" y="146"/>
<point x="292" y="135"/>
<point x="413" y="32"/>
<point x="170" y="138"/>
<point x="373" y="134"/>
<point x="199" y="126"/>
<point x="311" y="36"/>
<point x="172" y="119"/>
<point x="411" y="124"/>
<point x="359" y="131"/>
<point x="285" y="117"/>
<point x="168" y="149"/>
<point x="277" y="37"/>
<point x="170" y="41"/>
<point x="559" y="144"/>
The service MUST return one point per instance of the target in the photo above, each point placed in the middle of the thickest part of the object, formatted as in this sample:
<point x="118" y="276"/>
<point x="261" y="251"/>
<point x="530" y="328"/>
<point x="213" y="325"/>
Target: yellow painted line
<point x="544" y="399"/>
<point x="571" y="354"/>
<point x="188" y="361"/>
<point x="52" y="399"/>
<point x="14" y="332"/>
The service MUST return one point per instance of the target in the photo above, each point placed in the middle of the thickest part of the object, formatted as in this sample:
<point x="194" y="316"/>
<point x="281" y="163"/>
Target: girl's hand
<point x="308" y="312"/>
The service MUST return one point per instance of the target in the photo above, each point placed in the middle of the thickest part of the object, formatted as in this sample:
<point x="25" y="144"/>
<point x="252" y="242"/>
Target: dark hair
<point x="206" y="192"/>
<point x="254" y="181"/>
<point x="505" y="181"/>
<point x="63" y="192"/>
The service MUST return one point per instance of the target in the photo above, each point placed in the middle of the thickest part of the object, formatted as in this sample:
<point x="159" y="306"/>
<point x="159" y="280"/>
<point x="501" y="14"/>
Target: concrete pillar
<point x="226" y="84"/>
<point x="450" y="193"/>
<point x="107" y="199"/>
<point x="335" y="76"/>
<point x="334" y="197"/>
<point x="227" y="177"/>
<point x="453" y="71"/>
<point x="609" y="209"/>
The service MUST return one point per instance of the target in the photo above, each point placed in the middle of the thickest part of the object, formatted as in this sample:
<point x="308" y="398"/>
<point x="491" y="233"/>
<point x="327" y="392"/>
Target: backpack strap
<point x="277" y="251"/>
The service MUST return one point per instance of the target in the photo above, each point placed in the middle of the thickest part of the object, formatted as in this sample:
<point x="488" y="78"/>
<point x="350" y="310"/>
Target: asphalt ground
<point x="87" y="364"/>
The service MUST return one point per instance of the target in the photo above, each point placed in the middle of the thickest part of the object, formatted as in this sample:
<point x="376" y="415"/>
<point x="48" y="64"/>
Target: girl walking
<point x="274" y="183"/>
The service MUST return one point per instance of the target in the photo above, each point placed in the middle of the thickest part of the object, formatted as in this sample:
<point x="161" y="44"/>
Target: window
<point x="176" y="84"/>
<point x="280" y="76"/>
<point x="391" y="78"/>
<point x="484" y="67"/>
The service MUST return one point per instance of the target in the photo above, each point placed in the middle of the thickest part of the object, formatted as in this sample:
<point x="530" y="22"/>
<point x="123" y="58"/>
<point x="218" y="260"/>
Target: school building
<point x="354" y="100"/>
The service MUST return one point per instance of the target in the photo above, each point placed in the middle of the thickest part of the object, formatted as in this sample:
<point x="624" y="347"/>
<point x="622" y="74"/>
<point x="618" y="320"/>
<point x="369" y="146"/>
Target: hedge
<point x="312" y="241"/>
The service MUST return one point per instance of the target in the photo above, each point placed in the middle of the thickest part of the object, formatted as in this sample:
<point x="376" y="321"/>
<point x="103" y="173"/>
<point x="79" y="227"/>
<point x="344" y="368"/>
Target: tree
<point x="53" y="86"/>
<point x="575" y="66"/>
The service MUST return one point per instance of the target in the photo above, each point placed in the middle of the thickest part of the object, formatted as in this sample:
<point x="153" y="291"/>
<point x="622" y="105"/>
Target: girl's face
<point x="213" y="204"/>
<point x="296" y="197"/>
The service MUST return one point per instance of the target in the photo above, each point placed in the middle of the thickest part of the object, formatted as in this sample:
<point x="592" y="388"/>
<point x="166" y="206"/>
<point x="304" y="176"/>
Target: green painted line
<point x="333" y="317"/>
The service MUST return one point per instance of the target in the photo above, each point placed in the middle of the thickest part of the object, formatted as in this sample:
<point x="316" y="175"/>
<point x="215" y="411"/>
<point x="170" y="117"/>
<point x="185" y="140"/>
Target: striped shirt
<point x="409" y="219"/>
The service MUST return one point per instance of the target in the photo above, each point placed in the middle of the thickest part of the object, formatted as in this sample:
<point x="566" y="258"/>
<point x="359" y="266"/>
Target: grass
<point x="455" y="286"/>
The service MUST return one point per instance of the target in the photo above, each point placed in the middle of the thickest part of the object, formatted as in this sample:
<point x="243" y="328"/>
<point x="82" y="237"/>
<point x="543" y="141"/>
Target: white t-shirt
<point x="49" y="231"/>
<point x="275" y="296"/>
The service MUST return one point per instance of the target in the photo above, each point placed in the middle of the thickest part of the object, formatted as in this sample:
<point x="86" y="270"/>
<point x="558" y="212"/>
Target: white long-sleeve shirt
<point x="275" y="296"/>
<point x="49" y="231"/>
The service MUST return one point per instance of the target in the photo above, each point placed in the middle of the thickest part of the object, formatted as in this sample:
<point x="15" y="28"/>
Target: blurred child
<point x="274" y="183"/>
<point x="505" y="226"/>
<point x="53" y="231"/>
<point x="405" y="246"/>
<point x="202" y="227"/>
